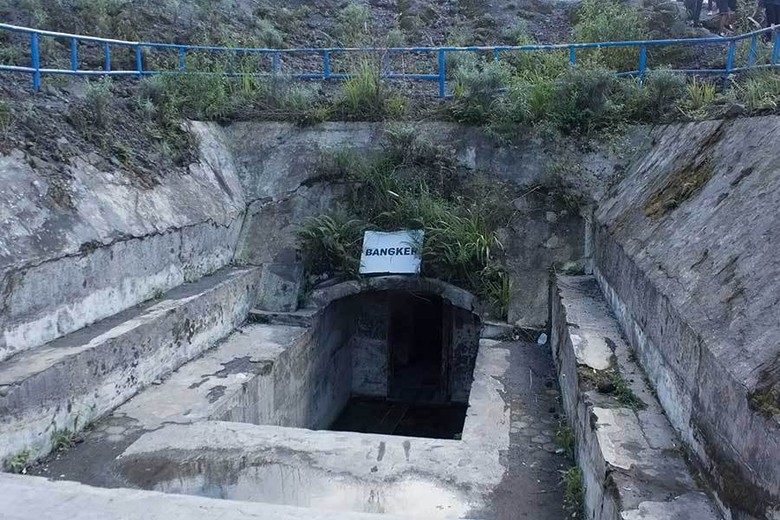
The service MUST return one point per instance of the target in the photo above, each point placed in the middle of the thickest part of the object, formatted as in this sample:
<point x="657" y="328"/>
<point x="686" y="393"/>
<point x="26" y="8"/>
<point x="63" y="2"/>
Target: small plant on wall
<point x="413" y="184"/>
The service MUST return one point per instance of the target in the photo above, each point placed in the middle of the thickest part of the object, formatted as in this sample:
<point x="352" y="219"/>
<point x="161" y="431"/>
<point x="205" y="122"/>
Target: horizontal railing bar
<point x="502" y="48"/>
<point x="439" y="53"/>
<point x="27" y="30"/>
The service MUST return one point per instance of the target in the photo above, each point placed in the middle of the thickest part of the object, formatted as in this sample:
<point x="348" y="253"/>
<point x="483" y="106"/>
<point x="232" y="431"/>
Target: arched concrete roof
<point x="458" y="297"/>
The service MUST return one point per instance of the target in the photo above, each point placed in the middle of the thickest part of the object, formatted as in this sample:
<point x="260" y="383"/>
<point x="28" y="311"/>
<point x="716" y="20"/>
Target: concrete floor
<point x="531" y="487"/>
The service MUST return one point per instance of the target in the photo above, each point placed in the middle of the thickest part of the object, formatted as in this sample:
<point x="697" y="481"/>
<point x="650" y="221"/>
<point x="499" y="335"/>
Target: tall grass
<point x="365" y="96"/>
<point x="413" y="184"/>
<point x="354" y="24"/>
<point x="610" y="20"/>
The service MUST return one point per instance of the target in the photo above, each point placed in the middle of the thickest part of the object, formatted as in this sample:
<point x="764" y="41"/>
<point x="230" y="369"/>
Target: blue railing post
<point x="495" y="54"/>
<point x="139" y="60"/>
<point x="107" y="51"/>
<point x="277" y="64"/>
<point x="642" y="64"/>
<point x="572" y="57"/>
<point x="729" y="62"/>
<point x="182" y="60"/>
<point x="326" y="64"/>
<point x="775" y="46"/>
<point x="74" y="54"/>
<point x="35" y="56"/>
<point x="386" y="70"/>
<point x="442" y="78"/>
<point x="751" y="59"/>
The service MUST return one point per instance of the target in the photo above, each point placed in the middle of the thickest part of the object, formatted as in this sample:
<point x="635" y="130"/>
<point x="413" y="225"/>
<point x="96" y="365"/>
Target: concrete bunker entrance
<point x="407" y="339"/>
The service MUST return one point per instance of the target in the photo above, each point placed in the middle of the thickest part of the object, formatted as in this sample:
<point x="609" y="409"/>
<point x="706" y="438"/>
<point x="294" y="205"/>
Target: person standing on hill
<point x="772" y="10"/>
<point x="727" y="8"/>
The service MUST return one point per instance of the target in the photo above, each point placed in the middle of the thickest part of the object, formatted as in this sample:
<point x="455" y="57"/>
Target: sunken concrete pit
<point x="237" y="423"/>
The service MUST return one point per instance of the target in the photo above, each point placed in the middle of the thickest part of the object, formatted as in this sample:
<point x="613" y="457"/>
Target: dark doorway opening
<point x="406" y="378"/>
<point x="418" y="349"/>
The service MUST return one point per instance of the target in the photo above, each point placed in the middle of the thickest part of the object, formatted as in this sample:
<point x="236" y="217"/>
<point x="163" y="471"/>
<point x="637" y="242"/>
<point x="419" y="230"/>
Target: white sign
<point x="397" y="252"/>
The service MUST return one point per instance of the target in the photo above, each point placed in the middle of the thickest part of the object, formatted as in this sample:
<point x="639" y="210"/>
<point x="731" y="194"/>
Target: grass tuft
<point x="354" y="24"/>
<point x="366" y="97"/>
<point x="19" y="463"/>
<point x="573" y="492"/>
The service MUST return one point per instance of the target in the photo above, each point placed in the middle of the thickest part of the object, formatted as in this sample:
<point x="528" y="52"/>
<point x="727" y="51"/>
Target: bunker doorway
<point x="420" y="347"/>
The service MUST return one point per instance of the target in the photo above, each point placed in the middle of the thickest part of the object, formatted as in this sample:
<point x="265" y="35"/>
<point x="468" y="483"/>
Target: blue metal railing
<point x="140" y="50"/>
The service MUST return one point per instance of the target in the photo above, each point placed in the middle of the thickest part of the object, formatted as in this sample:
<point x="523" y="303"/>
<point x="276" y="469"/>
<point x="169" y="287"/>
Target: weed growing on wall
<point x="414" y="184"/>
<point x="573" y="492"/>
<point x="19" y="462"/>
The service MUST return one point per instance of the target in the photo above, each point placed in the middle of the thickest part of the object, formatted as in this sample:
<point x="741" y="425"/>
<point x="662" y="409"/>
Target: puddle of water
<point x="308" y="487"/>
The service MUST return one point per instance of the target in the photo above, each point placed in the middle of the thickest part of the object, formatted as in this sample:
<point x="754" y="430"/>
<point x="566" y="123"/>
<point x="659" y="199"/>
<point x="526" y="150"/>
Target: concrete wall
<point x="116" y="243"/>
<point x="308" y="383"/>
<point x="466" y="329"/>
<point x="278" y="165"/>
<point x="547" y="230"/>
<point x="686" y="251"/>
<point x="371" y="350"/>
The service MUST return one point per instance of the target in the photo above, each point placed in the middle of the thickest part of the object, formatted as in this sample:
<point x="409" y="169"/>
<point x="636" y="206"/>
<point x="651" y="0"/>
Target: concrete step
<point x="78" y="378"/>
<point x="299" y="318"/>
<point x="630" y="457"/>
<point x="223" y="384"/>
<point x="247" y="377"/>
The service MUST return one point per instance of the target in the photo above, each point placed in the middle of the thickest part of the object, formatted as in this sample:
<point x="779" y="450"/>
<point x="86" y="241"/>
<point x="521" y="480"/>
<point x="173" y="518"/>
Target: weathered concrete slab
<point x="32" y="498"/>
<point x="80" y="377"/>
<point x="224" y="382"/>
<point x="687" y="252"/>
<point x="281" y="286"/>
<point x="110" y="243"/>
<point x="260" y="374"/>
<point x="629" y="454"/>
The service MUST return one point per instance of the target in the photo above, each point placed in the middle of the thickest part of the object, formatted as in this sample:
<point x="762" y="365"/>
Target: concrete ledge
<point x="78" y="378"/>
<point x="32" y="498"/>
<point x="299" y="318"/>
<point x="455" y="295"/>
<point x="223" y="383"/>
<point x="630" y="457"/>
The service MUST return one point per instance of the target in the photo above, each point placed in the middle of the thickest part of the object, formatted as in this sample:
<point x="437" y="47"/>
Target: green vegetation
<point x="5" y="117"/>
<point x="19" y="462"/>
<point x="354" y="25"/>
<point x="765" y="403"/>
<point x="610" y="20"/>
<point x="364" y="96"/>
<point x="612" y="382"/>
<point x="541" y="90"/>
<point x="564" y="436"/>
<point x="573" y="492"/>
<point x="624" y="394"/>
<point x="62" y="440"/>
<point x="414" y="184"/>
